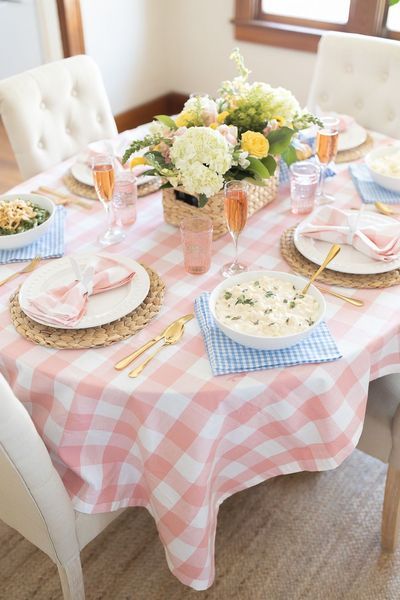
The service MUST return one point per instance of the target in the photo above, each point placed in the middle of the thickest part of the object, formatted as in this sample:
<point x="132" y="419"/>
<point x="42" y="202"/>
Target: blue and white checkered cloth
<point x="226" y="356"/>
<point x="50" y="245"/>
<point x="370" y="191"/>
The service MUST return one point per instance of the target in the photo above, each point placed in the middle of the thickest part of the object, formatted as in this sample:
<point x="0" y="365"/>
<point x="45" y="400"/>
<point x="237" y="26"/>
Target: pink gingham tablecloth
<point x="177" y="440"/>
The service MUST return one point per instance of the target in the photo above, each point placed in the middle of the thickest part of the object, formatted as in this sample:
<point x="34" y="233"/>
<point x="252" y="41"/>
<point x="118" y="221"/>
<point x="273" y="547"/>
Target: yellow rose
<point x="255" y="144"/>
<point x="139" y="160"/>
<point x="280" y="120"/>
<point x="213" y="125"/>
<point x="222" y="116"/>
<point x="184" y="118"/>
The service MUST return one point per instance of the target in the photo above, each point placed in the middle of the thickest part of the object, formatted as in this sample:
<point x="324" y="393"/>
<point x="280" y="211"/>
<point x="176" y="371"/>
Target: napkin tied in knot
<point x="67" y="304"/>
<point x="380" y="240"/>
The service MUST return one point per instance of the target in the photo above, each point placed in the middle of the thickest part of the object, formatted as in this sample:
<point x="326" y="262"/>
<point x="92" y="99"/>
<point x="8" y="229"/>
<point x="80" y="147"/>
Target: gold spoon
<point x="124" y="362"/>
<point x="174" y="335"/>
<point x="335" y="249"/>
<point x="385" y="209"/>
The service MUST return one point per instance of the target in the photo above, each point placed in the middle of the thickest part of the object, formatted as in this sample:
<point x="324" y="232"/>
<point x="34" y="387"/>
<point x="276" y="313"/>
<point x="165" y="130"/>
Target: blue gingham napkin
<point x="370" y="191"/>
<point x="284" y="176"/>
<point x="226" y="356"/>
<point x="50" y="245"/>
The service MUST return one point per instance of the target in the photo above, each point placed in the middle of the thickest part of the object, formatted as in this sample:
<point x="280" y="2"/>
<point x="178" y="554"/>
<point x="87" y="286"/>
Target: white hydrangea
<point x="281" y="101"/>
<point x="202" y="155"/>
<point x="158" y="128"/>
<point x="204" y="106"/>
<point x="199" y="179"/>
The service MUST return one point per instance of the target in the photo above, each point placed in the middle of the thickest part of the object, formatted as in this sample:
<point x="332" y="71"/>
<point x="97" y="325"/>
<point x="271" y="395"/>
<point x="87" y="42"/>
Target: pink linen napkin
<point x="330" y="224"/>
<point x="66" y="305"/>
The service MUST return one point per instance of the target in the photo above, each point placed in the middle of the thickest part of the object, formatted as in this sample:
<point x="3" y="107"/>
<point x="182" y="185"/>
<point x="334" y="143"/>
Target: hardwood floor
<point x="9" y="174"/>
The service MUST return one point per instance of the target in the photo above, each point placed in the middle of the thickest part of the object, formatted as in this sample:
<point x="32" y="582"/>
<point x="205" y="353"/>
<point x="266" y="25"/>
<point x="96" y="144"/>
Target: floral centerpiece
<point x="238" y="135"/>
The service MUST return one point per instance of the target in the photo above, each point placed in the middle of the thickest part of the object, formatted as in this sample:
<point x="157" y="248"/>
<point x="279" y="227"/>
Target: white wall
<point x="125" y="37"/>
<point x="146" y="48"/>
<point x="199" y="54"/>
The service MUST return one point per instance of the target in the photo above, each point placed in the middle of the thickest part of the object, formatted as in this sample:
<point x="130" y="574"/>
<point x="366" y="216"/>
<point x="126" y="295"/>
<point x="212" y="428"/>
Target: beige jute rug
<point x="308" y="536"/>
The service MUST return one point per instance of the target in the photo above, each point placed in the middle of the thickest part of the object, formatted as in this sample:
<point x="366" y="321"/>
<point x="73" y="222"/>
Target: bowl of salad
<point x="24" y="218"/>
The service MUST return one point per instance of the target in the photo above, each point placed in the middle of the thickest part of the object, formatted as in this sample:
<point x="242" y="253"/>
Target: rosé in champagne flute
<point x="236" y="207"/>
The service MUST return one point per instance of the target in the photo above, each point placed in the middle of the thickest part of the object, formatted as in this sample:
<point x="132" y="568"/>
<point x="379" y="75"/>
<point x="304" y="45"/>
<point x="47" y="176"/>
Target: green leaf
<point x="270" y="163"/>
<point x="393" y="2"/>
<point x="167" y="121"/>
<point x="279" y="140"/>
<point x="202" y="200"/>
<point x="289" y="155"/>
<point x="257" y="168"/>
<point x="165" y="185"/>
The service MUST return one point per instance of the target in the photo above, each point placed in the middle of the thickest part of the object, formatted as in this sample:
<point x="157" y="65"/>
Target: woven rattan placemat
<point x="92" y="337"/>
<point x="355" y="153"/>
<point x="88" y="191"/>
<point x="303" y="266"/>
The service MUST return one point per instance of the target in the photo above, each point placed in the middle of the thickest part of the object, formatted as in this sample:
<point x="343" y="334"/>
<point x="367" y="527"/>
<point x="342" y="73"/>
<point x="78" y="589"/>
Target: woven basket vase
<point x="176" y="210"/>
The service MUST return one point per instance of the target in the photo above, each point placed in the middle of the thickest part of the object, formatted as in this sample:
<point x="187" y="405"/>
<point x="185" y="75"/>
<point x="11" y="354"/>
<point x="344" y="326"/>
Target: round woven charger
<point x="88" y="191"/>
<point x="303" y="266"/>
<point x="92" y="337"/>
<point x="355" y="153"/>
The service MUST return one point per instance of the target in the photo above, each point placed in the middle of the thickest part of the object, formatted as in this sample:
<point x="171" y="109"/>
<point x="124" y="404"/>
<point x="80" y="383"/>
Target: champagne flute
<point x="235" y="205"/>
<point x="327" y="145"/>
<point x="104" y="178"/>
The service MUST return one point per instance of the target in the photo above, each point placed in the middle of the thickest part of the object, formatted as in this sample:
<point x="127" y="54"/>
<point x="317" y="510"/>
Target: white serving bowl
<point x="386" y="181"/>
<point x="261" y="341"/>
<point x="18" y="240"/>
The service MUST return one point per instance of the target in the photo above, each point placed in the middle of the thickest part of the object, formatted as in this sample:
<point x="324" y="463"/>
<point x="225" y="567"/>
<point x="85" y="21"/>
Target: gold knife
<point x="131" y="357"/>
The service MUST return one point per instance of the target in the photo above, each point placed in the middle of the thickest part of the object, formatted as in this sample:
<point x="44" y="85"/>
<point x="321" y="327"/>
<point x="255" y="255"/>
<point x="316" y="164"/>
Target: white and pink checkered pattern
<point x="177" y="440"/>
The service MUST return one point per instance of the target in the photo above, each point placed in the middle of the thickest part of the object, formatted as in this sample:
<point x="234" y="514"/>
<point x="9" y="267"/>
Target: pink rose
<point x="230" y="133"/>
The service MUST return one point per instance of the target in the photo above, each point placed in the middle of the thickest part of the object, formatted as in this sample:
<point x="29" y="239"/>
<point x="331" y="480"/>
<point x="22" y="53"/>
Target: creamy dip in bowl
<point x="266" y="309"/>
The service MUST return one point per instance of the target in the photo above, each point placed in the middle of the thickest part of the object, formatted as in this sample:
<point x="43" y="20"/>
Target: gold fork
<point x="27" y="269"/>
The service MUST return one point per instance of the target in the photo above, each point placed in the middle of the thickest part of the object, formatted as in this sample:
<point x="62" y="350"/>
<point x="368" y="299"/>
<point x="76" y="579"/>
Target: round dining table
<point x="176" y="439"/>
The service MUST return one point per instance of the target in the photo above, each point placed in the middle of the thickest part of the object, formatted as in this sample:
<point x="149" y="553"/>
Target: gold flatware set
<point x="171" y="335"/>
<point x="63" y="199"/>
<point x="334" y="251"/>
<point x="27" y="269"/>
<point x="387" y="210"/>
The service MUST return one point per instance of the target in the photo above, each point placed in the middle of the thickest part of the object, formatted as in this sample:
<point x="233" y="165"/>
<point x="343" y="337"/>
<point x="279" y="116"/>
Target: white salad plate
<point x="101" y="308"/>
<point x="354" y="136"/>
<point x="83" y="173"/>
<point x="349" y="260"/>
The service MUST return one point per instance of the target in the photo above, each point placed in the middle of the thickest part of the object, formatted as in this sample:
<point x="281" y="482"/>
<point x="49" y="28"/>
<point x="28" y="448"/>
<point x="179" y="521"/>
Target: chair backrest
<point x="359" y="75"/>
<point x="33" y="499"/>
<point x="53" y="111"/>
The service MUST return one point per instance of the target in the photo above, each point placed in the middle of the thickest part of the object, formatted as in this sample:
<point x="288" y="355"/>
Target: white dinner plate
<point x="354" y="136"/>
<point x="83" y="173"/>
<point x="101" y="308"/>
<point x="349" y="260"/>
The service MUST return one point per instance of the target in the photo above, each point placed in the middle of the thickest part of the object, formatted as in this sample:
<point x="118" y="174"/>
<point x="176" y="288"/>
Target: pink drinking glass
<point x="196" y="234"/>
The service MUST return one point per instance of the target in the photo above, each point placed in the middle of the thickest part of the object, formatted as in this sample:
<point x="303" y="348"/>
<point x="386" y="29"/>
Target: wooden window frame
<point x="367" y="17"/>
<point x="69" y="14"/>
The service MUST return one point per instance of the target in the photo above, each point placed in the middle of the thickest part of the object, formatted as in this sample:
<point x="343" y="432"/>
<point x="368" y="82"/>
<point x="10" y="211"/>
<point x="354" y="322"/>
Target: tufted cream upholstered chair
<point x="381" y="438"/>
<point x="359" y="75"/>
<point x="33" y="499"/>
<point x="53" y="111"/>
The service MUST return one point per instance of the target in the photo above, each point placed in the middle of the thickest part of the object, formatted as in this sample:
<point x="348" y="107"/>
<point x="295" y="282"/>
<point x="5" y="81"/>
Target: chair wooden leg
<point x="391" y="510"/>
<point x="72" y="580"/>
